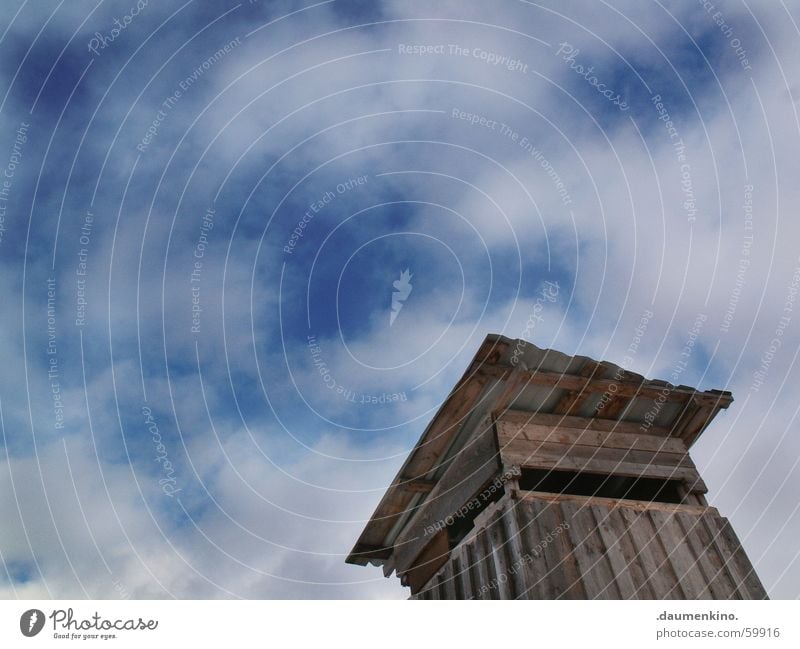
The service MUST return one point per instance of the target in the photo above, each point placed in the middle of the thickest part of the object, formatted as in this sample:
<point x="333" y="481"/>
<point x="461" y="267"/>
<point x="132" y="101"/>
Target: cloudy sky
<point x="206" y="209"/>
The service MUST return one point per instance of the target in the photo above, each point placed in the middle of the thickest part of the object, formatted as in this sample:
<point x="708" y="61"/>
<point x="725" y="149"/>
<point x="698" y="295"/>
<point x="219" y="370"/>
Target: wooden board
<point x="469" y="471"/>
<point x="607" y="552"/>
<point x="640" y="388"/>
<point x="434" y="555"/>
<point x="579" y="423"/>
<point x="601" y="461"/>
<point x="511" y="430"/>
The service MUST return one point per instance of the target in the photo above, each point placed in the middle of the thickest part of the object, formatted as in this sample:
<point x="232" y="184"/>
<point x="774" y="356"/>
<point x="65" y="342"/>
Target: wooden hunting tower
<point x="546" y="476"/>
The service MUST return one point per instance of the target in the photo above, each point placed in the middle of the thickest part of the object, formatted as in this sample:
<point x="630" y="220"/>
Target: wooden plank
<point x="515" y="547"/>
<point x="547" y="519"/>
<point x="637" y="505"/>
<point x="753" y="586"/>
<point x="720" y="547"/>
<point x="477" y="571"/>
<point x="564" y="550"/>
<point x="492" y="349"/>
<point x="511" y="430"/>
<point x="634" y="456"/>
<point x="571" y="402"/>
<point x="443" y="427"/>
<point x="614" y="408"/>
<point x="364" y="554"/>
<point x="484" y="548"/>
<point x="640" y="538"/>
<point x="691" y="527"/>
<point x="723" y="580"/>
<point x="447" y="577"/>
<point x="641" y="588"/>
<point x="535" y="566"/>
<point x="580" y="423"/>
<point x="500" y="556"/>
<point x="697" y="423"/>
<point x="601" y="461"/>
<point x="456" y="558"/>
<point x="472" y="468"/>
<point x="667" y="578"/>
<point x="609" y="537"/>
<point x="418" y="485"/>
<point x="433" y="557"/>
<point x="514" y="384"/>
<point x="691" y="582"/>
<point x="632" y="388"/>
<point x="596" y="573"/>
<point x="434" y="441"/>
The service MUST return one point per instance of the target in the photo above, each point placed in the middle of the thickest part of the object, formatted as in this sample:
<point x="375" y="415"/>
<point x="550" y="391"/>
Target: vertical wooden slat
<point x="692" y="528"/>
<point x="552" y="578"/>
<point x="487" y="562"/>
<point x="641" y="541"/>
<point x="669" y="578"/>
<point x="565" y="550"/>
<point x="447" y="581"/>
<point x="465" y="576"/>
<point x="535" y="568"/>
<point x="500" y="556"/>
<point x="598" y="576"/>
<point x="556" y="580"/>
<point x="516" y="552"/>
<point x="727" y="569"/>
<point x="609" y="538"/>
<point x="755" y="589"/>
<point x="458" y="571"/>
<point x="691" y="582"/>
<point x="476" y="573"/>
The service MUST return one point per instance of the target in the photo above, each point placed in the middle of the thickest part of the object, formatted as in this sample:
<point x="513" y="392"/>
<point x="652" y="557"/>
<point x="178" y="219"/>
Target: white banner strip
<point x="355" y="624"/>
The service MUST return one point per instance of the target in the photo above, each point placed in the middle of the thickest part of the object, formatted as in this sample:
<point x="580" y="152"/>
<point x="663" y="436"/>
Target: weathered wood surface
<point x="398" y="499"/>
<point x="535" y="547"/>
<point x="493" y="383"/>
<point x="469" y="471"/>
<point x="609" y="461"/>
<point x="580" y="423"/>
<point x="626" y="388"/>
<point x="510" y="430"/>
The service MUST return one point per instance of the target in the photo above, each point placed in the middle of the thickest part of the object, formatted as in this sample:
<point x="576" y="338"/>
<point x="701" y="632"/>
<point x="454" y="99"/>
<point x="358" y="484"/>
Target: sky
<point x="247" y="248"/>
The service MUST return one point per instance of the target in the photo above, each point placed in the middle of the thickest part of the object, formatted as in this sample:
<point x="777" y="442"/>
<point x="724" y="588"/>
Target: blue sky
<point x="238" y="454"/>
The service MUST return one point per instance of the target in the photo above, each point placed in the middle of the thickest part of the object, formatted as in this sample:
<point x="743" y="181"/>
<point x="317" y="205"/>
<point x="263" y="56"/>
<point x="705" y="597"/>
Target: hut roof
<point x="506" y="374"/>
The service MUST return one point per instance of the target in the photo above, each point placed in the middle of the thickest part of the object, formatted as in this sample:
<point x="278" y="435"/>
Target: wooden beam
<point x="603" y="461"/>
<point x="572" y="400"/>
<point x="364" y="554"/>
<point x="694" y="426"/>
<point x="613" y="408"/>
<point x="417" y="485"/>
<point x="613" y="503"/>
<point x="508" y="431"/>
<point x="434" y="441"/>
<point x="643" y="388"/>
<point x="470" y="470"/>
<point x="588" y="423"/>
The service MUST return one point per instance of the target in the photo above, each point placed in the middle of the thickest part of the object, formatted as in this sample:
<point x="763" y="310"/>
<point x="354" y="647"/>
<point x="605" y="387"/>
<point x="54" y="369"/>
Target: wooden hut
<point x="546" y="476"/>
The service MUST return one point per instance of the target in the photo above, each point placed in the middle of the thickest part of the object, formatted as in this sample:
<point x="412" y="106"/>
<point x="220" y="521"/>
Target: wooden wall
<point x="625" y="450"/>
<point x="533" y="545"/>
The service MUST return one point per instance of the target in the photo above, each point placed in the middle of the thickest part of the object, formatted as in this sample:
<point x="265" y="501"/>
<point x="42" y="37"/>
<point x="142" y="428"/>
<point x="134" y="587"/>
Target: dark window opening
<point x="604" y="486"/>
